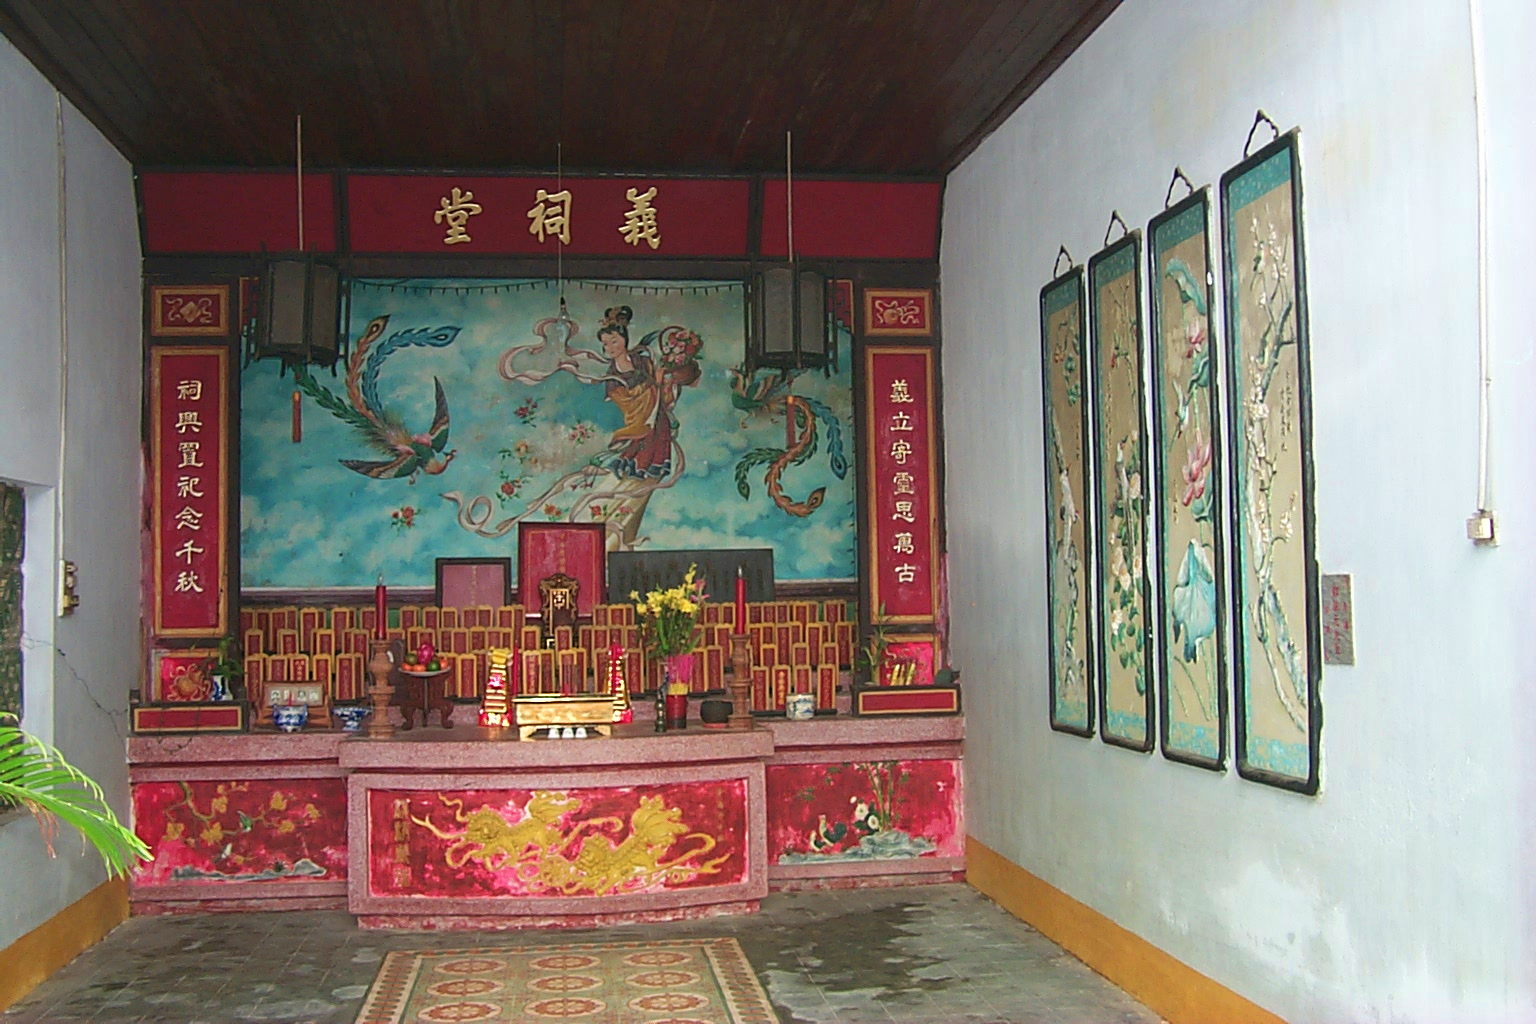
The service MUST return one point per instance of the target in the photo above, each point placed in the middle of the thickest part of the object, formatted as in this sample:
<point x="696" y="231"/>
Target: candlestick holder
<point x="741" y="683"/>
<point x="381" y="665"/>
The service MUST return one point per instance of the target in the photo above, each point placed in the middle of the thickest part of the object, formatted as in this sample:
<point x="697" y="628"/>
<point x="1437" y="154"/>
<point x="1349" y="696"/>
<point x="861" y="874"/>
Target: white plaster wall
<point x="78" y="668"/>
<point x="1400" y="892"/>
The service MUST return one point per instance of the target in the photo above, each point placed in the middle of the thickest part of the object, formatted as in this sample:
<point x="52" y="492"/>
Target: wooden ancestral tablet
<point x="540" y="711"/>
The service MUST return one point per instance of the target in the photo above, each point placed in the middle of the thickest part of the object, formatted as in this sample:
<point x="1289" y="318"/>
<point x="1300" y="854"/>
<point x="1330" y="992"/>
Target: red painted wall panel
<point x="854" y="219"/>
<point x="244" y="212"/>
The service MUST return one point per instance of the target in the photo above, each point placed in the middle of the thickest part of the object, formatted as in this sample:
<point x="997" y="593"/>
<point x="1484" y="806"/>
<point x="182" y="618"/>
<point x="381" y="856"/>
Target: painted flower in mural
<point x="1194" y="337"/>
<point x="1194" y="601"/>
<point x="403" y="518"/>
<point x="1197" y="476"/>
<point x="526" y="412"/>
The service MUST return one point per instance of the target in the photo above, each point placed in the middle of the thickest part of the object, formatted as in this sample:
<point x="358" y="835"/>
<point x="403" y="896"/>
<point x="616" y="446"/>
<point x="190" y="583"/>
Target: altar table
<point x="472" y="828"/>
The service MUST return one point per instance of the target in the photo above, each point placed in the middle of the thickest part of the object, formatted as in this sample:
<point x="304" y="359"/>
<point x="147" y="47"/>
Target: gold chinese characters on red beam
<point x="902" y="498"/>
<point x="189" y="411"/>
<point x="542" y="215"/>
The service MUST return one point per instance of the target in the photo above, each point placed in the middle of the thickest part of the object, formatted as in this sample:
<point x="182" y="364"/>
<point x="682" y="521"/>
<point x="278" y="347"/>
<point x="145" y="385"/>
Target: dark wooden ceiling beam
<point x="887" y="87"/>
<point x="1043" y="67"/>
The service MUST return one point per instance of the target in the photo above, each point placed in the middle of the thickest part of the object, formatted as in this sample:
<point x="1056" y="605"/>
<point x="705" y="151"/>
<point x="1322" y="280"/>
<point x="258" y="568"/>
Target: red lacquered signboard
<point x="621" y="216"/>
<point x="189" y="418"/>
<point x="902" y="499"/>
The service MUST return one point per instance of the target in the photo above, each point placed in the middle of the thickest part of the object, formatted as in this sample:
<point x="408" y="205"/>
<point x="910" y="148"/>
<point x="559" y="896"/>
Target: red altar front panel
<point x="213" y="833"/>
<point x="581" y="842"/>
<point x="902" y="500"/>
<point x="189" y="422"/>
<point x="864" y="811"/>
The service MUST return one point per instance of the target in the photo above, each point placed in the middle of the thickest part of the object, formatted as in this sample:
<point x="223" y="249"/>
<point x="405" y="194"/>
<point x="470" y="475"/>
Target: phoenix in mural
<point x="406" y="454"/>
<point x="769" y="393"/>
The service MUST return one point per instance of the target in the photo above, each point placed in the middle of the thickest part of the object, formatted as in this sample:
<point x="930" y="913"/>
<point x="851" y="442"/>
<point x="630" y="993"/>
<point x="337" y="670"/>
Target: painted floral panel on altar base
<point x="599" y="841"/>
<point x="864" y="810"/>
<point x="255" y="830"/>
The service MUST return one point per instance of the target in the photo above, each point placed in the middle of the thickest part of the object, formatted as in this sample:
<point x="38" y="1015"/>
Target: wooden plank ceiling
<point x="885" y="87"/>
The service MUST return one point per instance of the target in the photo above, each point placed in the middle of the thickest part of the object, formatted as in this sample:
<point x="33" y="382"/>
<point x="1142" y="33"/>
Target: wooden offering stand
<point x="434" y="697"/>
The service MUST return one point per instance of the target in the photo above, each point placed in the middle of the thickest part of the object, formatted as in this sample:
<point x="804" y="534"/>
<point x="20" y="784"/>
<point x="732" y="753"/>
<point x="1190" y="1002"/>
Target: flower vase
<point x="677" y="672"/>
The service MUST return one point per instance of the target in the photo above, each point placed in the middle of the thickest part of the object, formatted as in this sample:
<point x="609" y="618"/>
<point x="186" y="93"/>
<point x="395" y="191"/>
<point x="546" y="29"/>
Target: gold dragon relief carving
<point x="549" y="848"/>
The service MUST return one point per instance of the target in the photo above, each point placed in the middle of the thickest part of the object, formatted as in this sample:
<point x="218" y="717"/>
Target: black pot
<point x="714" y="712"/>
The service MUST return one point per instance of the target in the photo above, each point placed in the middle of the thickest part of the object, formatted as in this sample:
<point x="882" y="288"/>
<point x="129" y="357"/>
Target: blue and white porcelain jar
<point x="290" y="717"/>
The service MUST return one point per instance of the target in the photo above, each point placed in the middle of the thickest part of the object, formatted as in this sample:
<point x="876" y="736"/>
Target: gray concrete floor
<point x="941" y="954"/>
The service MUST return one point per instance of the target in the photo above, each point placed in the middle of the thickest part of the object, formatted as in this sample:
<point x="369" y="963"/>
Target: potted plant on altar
<point x="226" y="668"/>
<point x="869" y="660"/>
<point x="669" y="618"/>
<point x="36" y="776"/>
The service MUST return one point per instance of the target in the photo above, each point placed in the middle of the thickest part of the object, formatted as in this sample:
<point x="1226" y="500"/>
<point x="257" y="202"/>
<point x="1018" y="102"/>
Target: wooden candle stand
<point x="741" y="683"/>
<point x="381" y="665"/>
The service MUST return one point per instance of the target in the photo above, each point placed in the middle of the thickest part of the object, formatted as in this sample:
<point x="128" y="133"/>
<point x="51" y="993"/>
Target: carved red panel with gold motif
<point x="573" y="842"/>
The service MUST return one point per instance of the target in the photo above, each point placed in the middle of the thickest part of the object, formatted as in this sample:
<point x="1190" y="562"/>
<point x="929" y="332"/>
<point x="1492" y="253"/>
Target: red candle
<point x="741" y="602"/>
<point x="380" y="602"/>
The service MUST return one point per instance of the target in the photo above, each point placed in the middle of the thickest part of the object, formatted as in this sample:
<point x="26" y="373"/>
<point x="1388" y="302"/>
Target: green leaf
<point x="37" y="776"/>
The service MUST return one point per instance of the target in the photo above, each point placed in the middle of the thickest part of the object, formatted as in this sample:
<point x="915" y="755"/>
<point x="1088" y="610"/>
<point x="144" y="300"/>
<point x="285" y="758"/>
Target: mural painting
<point x="466" y="407"/>
<point x="1067" y="508"/>
<point x="1186" y="424"/>
<point x="1125" y="650"/>
<point x="551" y="843"/>
<point x="1276" y="652"/>
<point x="256" y="830"/>
<point x="863" y="810"/>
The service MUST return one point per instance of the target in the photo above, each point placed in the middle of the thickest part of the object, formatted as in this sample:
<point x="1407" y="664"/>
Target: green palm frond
<point x="36" y="776"/>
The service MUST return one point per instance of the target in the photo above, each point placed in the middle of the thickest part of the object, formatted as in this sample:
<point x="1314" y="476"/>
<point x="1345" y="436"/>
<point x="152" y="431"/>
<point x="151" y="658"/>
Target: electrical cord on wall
<point x="1482" y="523"/>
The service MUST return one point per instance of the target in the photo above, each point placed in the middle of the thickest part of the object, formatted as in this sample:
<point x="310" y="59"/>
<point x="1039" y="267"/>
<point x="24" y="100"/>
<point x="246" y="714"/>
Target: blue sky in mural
<point x="540" y="428"/>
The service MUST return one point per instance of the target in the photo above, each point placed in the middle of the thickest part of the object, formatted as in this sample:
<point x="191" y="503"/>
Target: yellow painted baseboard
<point x="30" y="959"/>
<point x="1167" y="986"/>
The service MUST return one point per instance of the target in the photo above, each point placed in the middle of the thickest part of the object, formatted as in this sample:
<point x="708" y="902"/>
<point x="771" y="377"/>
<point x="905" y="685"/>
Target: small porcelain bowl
<point x="350" y="716"/>
<point x="290" y="717"/>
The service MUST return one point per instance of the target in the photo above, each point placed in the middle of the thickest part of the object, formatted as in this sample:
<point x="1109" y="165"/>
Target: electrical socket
<point x="1482" y="528"/>
<point x="68" y="581"/>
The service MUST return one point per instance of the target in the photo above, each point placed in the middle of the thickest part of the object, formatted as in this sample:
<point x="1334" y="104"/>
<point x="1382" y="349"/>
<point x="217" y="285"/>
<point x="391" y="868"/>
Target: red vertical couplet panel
<point x="902" y="498"/>
<point x="189" y="416"/>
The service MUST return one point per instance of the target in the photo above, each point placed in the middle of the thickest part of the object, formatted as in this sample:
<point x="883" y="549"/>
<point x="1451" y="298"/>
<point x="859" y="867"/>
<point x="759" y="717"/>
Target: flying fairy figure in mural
<point x="768" y="392"/>
<point x="643" y="381"/>
<point x="407" y="454"/>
